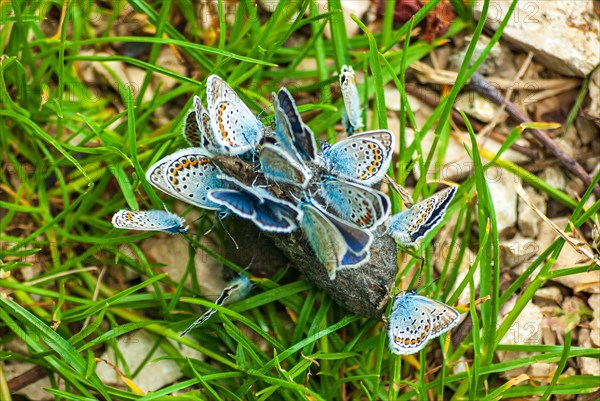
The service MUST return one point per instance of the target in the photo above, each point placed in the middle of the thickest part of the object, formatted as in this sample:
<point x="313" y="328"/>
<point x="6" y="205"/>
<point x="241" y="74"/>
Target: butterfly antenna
<point x="237" y="248"/>
<point x="406" y="198"/>
<point x="259" y="115"/>
<point x="420" y="281"/>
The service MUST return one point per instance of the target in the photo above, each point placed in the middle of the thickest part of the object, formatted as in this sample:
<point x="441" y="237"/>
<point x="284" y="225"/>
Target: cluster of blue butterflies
<point x="328" y="192"/>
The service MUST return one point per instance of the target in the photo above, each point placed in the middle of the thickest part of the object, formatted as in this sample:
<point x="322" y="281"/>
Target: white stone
<point x="529" y="221"/>
<point x="548" y="296"/>
<point x="475" y="105"/>
<point x="594" y="303"/>
<point x="588" y="366"/>
<point x="134" y="348"/>
<point x="526" y="329"/>
<point x="563" y="35"/>
<point x="517" y="250"/>
<point x="504" y="196"/>
<point x="595" y="332"/>
<point x="554" y="177"/>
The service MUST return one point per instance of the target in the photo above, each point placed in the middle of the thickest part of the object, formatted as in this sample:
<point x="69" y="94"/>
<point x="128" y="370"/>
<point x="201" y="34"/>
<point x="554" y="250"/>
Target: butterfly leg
<point x="386" y="297"/>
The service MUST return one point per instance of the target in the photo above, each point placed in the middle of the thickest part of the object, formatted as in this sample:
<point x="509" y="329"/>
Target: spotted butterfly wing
<point x="149" y="220"/>
<point x="197" y="128"/>
<point x="410" y="225"/>
<point x="155" y="176"/>
<point x="363" y="206"/>
<point x="415" y="320"/>
<point x="235" y="128"/>
<point x="351" y="117"/>
<point x="190" y="174"/>
<point x="359" y="158"/>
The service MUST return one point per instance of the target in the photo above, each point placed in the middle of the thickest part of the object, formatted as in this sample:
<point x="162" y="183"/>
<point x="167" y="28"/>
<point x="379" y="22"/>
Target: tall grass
<point x="70" y="160"/>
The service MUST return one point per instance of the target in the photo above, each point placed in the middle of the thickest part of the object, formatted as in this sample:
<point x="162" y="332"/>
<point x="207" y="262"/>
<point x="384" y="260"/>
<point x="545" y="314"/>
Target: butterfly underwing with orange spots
<point x="360" y="205"/>
<point x="187" y="175"/>
<point x="234" y="127"/>
<point x="410" y="225"/>
<point x="149" y="220"/>
<point x="415" y="319"/>
<point x="363" y="158"/>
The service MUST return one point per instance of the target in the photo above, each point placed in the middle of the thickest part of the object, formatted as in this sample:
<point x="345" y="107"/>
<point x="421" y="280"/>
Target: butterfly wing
<point x="266" y="211"/>
<point x="358" y="158"/>
<point x="191" y="175"/>
<point x="416" y="319"/>
<point x="151" y="220"/>
<point x="276" y="215"/>
<point x="156" y="176"/>
<point x="281" y="166"/>
<point x="409" y="325"/>
<point x="357" y="240"/>
<point x="238" y="202"/>
<point x="358" y="204"/>
<point x="336" y="244"/>
<point x="385" y="137"/>
<point x="443" y="317"/>
<point x="191" y="129"/>
<point x="235" y="128"/>
<point x="237" y="289"/>
<point x="352" y="118"/>
<point x="292" y="125"/>
<point x="324" y="239"/>
<point x="410" y="225"/>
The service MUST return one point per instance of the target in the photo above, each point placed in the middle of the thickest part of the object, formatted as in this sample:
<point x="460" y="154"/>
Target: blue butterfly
<point x="236" y="289"/>
<point x="363" y="158"/>
<point x="363" y="206"/>
<point x="284" y="162"/>
<point x="187" y="175"/>
<point x="279" y="165"/>
<point x="269" y="213"/>
<point x="336" y="244"/>
<point x="416" y="319"/>
<point x="235" y="128"/>
<point x="197" y="128"/>
<point x="351" y="117"/>
<point x="149" y="220"/>
<point x="292" y="133"/>
<point x="412" y="224"/>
